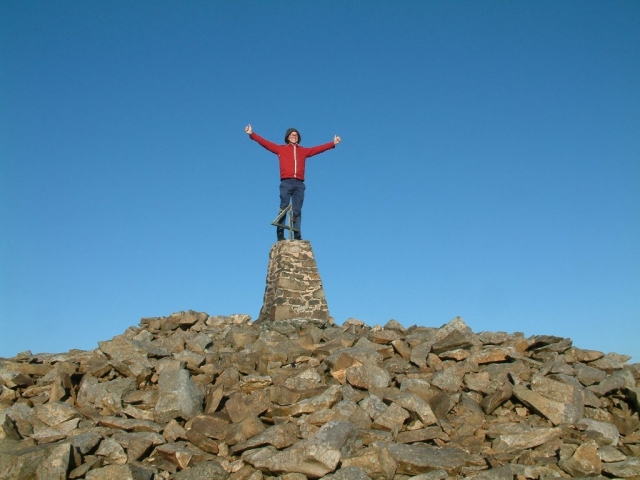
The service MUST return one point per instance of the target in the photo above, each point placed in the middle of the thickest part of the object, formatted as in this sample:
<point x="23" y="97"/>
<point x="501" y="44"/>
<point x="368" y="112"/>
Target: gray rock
<point x="120" y="472"/>
<point x="339" y="435"/>
<point x="606" y="432"/>
<point x="85" y="442"/>
<point x="611" y="362"/>
<point x="373" y="406"/>
<point x="525" y="440"/>
<point x="625" y="469"/>
<point x="589" y="375"/>
<point x="56" y="465"/>
<point x="420" y="353"/>
<point x="609" y="454"/>
<point x="448" y="380"/>
<point x="558" y="412"/>
<point x="348" y="473"/>
<point x="210" y="470"/>
<point x="609" y="384"/>
<point x="177" y="396"/>
<point x="92" y="392"/>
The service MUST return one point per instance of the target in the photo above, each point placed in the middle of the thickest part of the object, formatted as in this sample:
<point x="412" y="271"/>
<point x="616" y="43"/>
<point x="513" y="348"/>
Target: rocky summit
<point x="294" y="396"/>
<point x="193" y="396"/>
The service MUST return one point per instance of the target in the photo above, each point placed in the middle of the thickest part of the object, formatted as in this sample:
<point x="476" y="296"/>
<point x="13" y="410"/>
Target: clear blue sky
<point x="489" y="165"/>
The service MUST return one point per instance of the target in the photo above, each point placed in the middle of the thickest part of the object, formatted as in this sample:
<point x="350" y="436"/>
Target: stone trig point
<point x="294" y="287"/>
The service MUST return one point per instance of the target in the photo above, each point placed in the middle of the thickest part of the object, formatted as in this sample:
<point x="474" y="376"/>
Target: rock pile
<point x="193" y="396"/>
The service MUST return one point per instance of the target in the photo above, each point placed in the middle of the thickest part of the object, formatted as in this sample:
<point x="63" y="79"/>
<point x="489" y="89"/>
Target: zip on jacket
<point x="292" y="157"/>
<point x="295" y="161"/>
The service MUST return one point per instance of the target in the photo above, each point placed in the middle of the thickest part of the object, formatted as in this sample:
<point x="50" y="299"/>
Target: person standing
<point x="292" y="157"/>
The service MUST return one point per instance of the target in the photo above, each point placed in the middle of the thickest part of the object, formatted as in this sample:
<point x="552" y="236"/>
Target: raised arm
<point x="272" y="147"/>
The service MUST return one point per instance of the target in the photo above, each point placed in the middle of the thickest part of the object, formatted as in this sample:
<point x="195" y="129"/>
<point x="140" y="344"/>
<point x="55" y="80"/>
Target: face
<point x="293" y="137"/>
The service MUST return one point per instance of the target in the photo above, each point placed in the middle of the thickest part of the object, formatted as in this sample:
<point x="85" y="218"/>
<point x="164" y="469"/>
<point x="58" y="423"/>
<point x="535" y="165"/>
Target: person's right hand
<point x="248" y="130"/>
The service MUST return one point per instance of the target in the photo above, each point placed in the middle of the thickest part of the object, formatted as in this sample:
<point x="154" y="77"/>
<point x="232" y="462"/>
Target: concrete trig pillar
<point x="294" y="287"/>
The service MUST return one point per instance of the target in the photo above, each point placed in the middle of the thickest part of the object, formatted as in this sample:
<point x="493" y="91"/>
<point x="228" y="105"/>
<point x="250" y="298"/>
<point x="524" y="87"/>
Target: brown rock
<point x="309" y="458"/>
<point x="422" y="435"/>
<point x="240" y="405"/>
<point x="367" y="376"/>
<point x="384" y="337"/>
<point x="392" y="418"/>
<point x="330" y="396"/>
<point x="420" y="458"/>
<point x="493" y="354"/>
<point x="376" y="462"/>
<point x="112" y="451"/>
<point x="208" y="426"/>
<point x="130" y="424"/>
<point x="413" y="403"/>
<point x="280" y="436"/>
<point x="243" y="430"/>
<point x="181" y="454"/>
<point x="493" y="401"/>
<point x="585" y="462"/>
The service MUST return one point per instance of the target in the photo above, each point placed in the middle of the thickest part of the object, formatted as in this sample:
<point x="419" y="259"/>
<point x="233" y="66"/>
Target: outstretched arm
<point x="324" y="147"/>
<point x="272" y="147"/>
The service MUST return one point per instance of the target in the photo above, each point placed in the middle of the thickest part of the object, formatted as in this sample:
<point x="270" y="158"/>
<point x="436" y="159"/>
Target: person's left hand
<point x="336" y="139"/>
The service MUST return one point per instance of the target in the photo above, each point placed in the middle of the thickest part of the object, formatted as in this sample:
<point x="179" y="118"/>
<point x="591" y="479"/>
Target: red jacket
<point x="292" y="157"/>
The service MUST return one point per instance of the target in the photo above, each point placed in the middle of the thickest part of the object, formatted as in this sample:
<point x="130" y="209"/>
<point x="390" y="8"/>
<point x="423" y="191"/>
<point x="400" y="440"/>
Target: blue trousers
<point x="292" y="190"/>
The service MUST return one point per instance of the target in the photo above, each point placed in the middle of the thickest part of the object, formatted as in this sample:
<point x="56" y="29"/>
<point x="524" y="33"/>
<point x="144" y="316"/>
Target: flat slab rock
<point x="418" y="459"/>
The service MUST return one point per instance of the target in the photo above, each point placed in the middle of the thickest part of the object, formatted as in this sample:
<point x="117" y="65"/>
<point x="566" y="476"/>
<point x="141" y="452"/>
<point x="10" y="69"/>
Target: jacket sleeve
<point x="272" y="147"/>
<point x="320" y="148"/>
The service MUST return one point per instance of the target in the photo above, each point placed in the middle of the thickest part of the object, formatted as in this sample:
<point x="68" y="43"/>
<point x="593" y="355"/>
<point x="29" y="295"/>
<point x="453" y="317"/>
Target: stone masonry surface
<point x="294" y="287"/>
